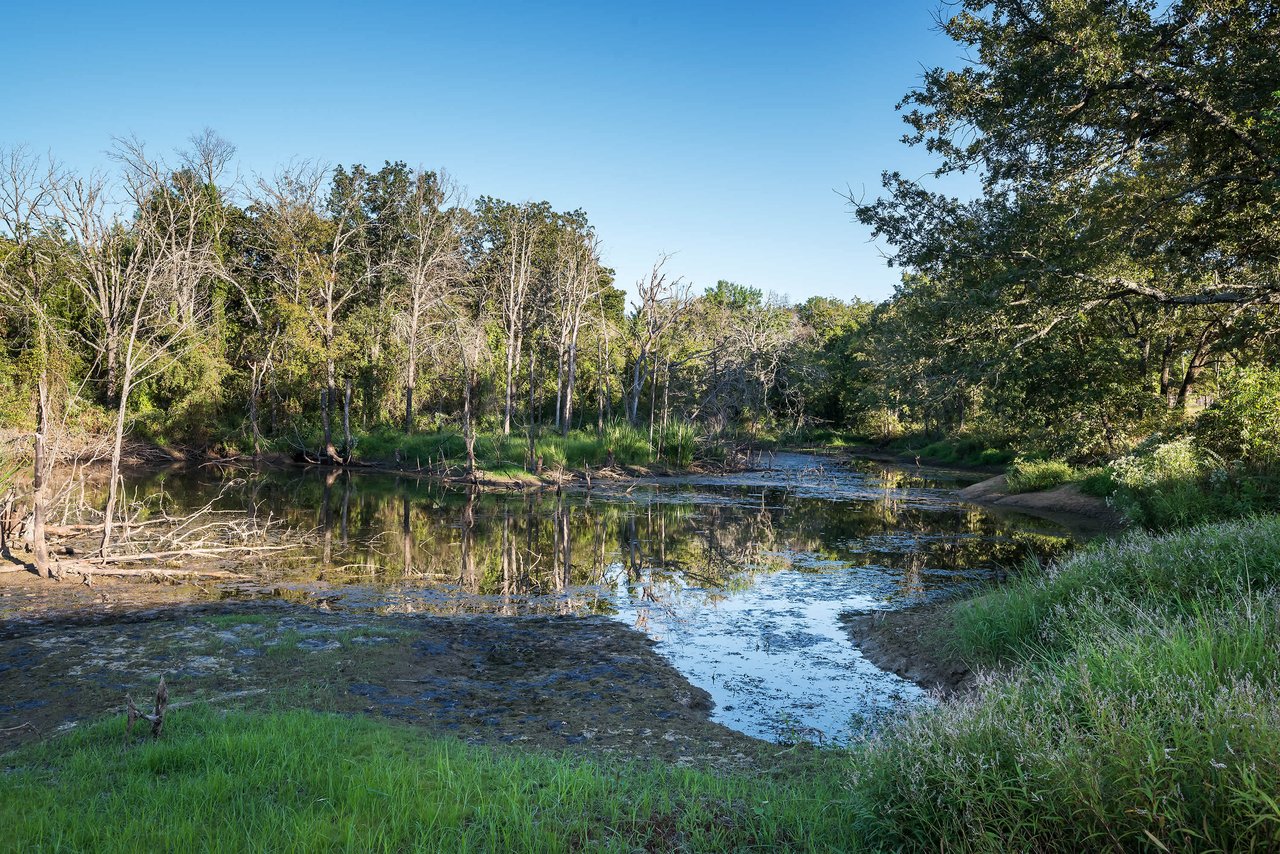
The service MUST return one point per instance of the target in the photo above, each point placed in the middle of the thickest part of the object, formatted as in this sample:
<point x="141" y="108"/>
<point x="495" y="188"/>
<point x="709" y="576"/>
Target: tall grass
<point x="1159" y="736"/>
<point x="1140" y="712"/>
<point x="303" y="781"/>
<point x="1045" y="611"/>
<point x="1030" y="475"/>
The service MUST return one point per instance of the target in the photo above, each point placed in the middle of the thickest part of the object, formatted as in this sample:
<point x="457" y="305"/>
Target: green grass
<point x="1139" y="711"/>
<point x="1044" y="612"/>
<point x="304" y="781"/>
<point x="959" y="450"/>
<point x="1027" y="475"/>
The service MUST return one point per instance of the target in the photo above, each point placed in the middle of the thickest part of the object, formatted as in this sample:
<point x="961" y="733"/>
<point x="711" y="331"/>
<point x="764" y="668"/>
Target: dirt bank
<point x="911" y="643"/>
<point x="1065" y="503"/>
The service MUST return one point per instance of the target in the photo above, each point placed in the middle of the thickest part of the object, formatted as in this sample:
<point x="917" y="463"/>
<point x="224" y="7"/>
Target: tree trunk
<point x="40" y="549"/>
<point x="113" y="365"/>
<point x="411" y="380"/>
<point x="346" y="421"/>
<point x="117" y="448"/>
<point x="326" y="403"/>
<point x="571" y="378"/>
<point x="511" y="390"/>
<point x="255" y="391"/>
<point x="468" y="427"/>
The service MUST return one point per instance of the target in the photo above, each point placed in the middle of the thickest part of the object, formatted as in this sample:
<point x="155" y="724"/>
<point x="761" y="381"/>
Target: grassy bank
<point x="309" y="782"/>
<point x="1138" y="711"/>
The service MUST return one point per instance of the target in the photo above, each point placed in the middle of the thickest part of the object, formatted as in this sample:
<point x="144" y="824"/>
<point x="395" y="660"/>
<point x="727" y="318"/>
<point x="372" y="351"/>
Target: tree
<point x="28" y="266"/>
<point x="135" y="275"/>
<point x="416" y="232"/>
<point x="663" y="302"/>
<point x="311" y="240"/>
<point x="1127" y="173"/>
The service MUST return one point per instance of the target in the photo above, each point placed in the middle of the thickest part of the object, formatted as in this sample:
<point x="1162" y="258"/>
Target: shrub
<point x="1027" y="475"/>
<point x="1160" y="486"/>
<point x="1244" y="423"/>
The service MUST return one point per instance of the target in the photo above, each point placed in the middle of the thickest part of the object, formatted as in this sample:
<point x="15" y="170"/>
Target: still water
<point x="740" y="579"/>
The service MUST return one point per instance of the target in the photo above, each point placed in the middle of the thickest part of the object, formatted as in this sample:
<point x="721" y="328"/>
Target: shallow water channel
<point x="739" y="578"/>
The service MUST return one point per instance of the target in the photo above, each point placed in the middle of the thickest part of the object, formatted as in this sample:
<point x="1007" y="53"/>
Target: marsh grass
<point x="1046" y="610"/>
<point x="304" y="781"/>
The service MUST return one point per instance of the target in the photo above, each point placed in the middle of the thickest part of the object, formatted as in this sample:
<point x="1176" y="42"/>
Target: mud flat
<point x="911" y="643"/>
<point x="586" y="685"/>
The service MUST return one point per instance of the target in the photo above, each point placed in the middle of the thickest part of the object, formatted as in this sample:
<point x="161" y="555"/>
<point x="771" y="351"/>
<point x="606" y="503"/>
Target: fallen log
<point x="89" y="570"/>
<point x="193" y="552"/>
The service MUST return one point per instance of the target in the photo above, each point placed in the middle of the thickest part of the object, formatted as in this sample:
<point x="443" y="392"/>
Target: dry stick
<point x="163" y="573"/>
<point x="156" y="719"/>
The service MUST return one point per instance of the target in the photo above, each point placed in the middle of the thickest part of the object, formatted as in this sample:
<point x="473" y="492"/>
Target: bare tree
<point x="512" y="295"/>
<point x="576" y="285"/>
<point x="663" y="302"/>
<point x="428" y="257"/>
<point x="142" y="249"/>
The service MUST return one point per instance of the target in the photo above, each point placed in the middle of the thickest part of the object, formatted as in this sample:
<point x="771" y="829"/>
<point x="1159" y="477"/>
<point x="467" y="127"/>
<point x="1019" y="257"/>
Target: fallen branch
<point x="192" y="552"/>
<point x="156" y="719"/>
<point x="149" y="571"/>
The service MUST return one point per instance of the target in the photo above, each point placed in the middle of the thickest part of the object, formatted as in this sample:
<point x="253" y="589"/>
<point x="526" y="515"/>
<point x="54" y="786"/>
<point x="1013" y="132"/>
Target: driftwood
<point x="89" y="570"/>
<point x="189" y="552"/>
<point x="156" y="718"/>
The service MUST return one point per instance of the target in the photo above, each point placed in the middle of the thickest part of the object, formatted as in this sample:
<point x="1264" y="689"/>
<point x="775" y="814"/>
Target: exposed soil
<point x="1063" y="503"/>
<point x="911" y="643"/>
<point x="588" y="685"/>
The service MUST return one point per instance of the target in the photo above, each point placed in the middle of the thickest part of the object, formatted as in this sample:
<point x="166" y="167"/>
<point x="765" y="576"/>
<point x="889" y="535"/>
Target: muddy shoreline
<point x="1062" y="503"/>
<point x="582" y="685"/>
<point x="911" y="642"/>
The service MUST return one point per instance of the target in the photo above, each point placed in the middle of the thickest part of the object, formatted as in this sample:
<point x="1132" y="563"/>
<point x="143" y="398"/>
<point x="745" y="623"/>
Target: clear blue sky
<point x="716" y="130"/>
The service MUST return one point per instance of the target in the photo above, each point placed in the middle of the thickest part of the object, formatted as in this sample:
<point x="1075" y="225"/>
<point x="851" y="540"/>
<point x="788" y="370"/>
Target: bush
<point x="1027" y="475"/>
<point x="1244" y="423"/>
<point x="1159" y="485"/>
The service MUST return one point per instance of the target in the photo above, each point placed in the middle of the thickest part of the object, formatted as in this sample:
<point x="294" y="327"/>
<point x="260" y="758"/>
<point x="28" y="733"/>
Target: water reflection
<point x="739" y="579"/>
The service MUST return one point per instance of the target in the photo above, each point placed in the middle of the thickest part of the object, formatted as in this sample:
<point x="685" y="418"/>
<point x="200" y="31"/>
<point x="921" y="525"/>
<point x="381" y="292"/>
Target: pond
<point x="740" y="579"/>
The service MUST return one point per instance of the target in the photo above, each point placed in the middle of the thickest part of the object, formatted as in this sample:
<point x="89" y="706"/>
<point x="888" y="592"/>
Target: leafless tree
<point x="576" y="286"/>
<point x="511" y="288"/>
<point x="662" y="304"/>
<point x="142" y="247"/>
<point x="27" y="261"/>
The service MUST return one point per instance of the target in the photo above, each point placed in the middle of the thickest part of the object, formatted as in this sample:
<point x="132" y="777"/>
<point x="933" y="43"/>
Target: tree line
<point x="303" y="311"/>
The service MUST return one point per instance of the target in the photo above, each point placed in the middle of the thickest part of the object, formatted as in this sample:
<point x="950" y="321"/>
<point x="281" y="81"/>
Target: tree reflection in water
<point x="574" y="552"/>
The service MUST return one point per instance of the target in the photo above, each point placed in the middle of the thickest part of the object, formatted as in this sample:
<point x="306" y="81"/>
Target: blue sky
<point x="717" y="131"/>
